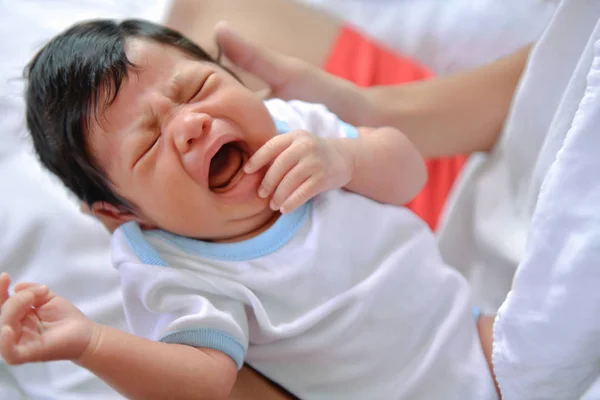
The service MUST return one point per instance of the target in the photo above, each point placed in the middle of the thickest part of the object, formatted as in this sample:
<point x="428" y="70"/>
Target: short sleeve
<point x="179" y="306"/>
<point x="314" y="118"/>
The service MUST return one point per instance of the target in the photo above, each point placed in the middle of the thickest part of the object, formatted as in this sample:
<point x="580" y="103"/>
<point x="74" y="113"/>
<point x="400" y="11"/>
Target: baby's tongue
<point x="224" y="166"/>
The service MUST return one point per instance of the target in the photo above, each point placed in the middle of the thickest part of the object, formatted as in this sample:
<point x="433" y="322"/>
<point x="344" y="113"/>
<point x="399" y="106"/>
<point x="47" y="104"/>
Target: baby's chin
<point x="242" y="224"/>
<point x="260" y="224"/>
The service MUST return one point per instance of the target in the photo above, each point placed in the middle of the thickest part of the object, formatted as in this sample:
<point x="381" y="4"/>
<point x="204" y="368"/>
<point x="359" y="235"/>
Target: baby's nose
<point x="189" y="127"/>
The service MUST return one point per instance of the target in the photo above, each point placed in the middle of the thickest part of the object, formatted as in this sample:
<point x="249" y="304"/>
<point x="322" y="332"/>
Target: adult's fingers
<point x="274" y="68"/>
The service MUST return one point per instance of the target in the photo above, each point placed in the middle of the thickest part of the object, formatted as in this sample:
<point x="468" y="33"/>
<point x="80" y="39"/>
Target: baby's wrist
<point x="348" y="150"/>
<point x="97" y="333"/>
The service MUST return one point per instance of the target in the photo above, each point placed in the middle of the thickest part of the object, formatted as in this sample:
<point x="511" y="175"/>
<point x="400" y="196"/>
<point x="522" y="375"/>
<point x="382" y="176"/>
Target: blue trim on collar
<point x="144" y="250"/>
<point x="349" y="131"/>
<point x="281" y="126"/>
<point x="264" y="244"/>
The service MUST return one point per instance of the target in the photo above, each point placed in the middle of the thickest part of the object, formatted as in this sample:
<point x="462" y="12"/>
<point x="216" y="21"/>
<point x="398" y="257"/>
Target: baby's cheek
<point x="184" y="211"/>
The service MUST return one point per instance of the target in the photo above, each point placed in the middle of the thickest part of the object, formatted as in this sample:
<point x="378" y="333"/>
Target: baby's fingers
<point x="26" y="285"/>
<point x="282" y="176"/>
<point x="17" y="306"/>
<point x="304" y="193"/>
<point x="288" y="185"/>
<point x="267" y="153"/>
<point x="8" y="345"/>
<point x="14" y="353"/>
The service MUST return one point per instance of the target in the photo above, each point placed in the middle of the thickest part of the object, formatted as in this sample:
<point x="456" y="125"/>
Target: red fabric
<point x="355" y="58"/>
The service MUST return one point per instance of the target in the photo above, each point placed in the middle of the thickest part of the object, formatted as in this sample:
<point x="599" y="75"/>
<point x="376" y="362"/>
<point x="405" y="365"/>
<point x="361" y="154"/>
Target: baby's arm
<point x="381" y="163"/>
<point x="387" y="167"/>
<point x="36" y="325"/>
<point x="143" y="369"/>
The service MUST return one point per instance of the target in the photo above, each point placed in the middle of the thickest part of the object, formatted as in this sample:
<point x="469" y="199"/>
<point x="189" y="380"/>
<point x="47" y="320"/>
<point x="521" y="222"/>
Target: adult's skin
<point x="455" y="114"/>
<point x="281" y="25"/>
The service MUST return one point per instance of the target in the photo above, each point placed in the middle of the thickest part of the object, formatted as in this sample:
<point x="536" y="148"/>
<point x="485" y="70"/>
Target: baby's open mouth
<point x="226" y="167"/>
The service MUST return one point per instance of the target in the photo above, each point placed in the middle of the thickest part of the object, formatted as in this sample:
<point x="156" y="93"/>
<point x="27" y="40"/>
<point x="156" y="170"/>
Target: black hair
<point x="65" y="81"/>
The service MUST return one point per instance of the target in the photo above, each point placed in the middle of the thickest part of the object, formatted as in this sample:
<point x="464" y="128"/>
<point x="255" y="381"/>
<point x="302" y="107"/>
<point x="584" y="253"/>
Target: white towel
<point x="547" y="333"/>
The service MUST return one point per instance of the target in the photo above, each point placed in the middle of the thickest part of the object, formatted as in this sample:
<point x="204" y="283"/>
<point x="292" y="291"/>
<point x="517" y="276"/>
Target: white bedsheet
<point x="44" y="237"/>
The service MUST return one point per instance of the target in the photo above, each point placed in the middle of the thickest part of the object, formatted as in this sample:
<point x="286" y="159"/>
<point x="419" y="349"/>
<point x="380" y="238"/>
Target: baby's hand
<point x="36" y="325"/>
<point x="301" y="166"/>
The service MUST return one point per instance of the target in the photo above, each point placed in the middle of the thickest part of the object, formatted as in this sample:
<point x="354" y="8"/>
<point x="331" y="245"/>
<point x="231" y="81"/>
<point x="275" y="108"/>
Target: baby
<point x="262" y="232"/>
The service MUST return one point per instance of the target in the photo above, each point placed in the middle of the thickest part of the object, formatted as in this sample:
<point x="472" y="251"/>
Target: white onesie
<point x="345" y="298"/>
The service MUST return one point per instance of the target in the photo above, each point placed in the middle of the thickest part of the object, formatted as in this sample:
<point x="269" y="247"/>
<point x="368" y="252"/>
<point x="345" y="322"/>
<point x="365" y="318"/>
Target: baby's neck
<point x="268" y="222"/>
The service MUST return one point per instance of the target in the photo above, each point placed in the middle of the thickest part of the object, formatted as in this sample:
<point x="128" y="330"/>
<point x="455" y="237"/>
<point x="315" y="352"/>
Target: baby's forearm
<point x="388" y="168"/>
<point x="142" y="369"/>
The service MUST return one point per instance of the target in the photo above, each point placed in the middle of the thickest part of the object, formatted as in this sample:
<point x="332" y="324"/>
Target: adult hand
<point x="291" y="78"/>
<point x="456" y="114"/>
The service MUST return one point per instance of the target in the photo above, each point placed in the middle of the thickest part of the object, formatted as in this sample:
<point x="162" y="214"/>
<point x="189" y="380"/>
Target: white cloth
<point x="485" y="229"/>
<point x="345" y="298"/>
<point x="46" y="239"/>
<point x="530" y="203"/>
<point x="44" y="236"/>
<point x="446" y="35"/>
<point x="547" y="333"/>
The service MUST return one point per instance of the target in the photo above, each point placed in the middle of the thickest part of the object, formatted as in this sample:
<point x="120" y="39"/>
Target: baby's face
<point x="174" y="141"/>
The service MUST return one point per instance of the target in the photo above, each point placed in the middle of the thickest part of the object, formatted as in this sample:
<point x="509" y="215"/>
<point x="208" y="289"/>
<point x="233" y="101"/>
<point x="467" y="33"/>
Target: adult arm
<point x="460" y="113"/>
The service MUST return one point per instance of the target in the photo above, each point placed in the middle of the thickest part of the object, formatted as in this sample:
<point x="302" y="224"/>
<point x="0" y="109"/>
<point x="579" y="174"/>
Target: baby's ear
<point x="112" y="216"/>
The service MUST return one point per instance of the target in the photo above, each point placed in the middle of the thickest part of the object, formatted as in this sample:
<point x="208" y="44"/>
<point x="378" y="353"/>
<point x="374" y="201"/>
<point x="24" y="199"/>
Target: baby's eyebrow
<point x="174" y="86"/>
<point x="145" y="119"/>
